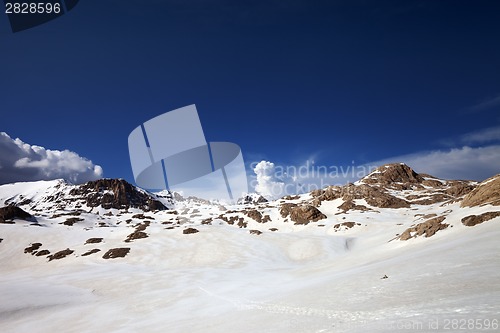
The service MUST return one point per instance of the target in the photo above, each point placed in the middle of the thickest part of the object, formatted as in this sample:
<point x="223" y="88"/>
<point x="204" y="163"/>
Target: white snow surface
<point x="300" y="278"/>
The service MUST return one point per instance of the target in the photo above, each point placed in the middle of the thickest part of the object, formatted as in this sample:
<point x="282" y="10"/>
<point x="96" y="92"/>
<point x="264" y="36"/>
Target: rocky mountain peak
<point x="393" y="173"/>
<point x="116" y="193"/>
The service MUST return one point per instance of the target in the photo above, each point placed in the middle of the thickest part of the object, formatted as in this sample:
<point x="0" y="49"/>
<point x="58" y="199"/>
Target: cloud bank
<point x="20" y="162"/>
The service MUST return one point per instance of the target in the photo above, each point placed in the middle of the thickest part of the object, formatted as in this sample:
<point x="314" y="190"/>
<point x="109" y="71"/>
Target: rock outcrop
<point x="427" y="228"/>
<point x="11" y="212"/>
<point x="116" y="193"/>
<point x="390" y="174"/>
<point x="487" y="193"/>
<point x="473" y="220"/>
<point x="301" y="214"/>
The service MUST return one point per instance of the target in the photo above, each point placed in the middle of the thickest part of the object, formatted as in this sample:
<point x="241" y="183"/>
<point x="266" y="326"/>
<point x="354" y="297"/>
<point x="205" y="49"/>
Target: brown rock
<point x="89" y="252"/>
<point x="486" y="193"/>
<point x="255" y="232"/>
<point x="473" y="220"/>
<point x="136" y="235"/>
<point x="427" y="228"/>
<point x="190" y="231"/>
<point x="71" y="221"/>
<point x="301" y="214"/>
<point x="254" y="214"/>
<point x="42" y="253"/>
<point x="393" y="173"/>
<point x="60" y="254"/>
<point x="32" y="247"/>
<point x="116" y="193"/>
<point x="13" y="212"/>
<point x="93" y="240"/>
<point x="119" y="252"/>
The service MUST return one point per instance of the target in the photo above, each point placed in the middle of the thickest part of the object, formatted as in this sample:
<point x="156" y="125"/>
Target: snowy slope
<point x="322" y="276"/>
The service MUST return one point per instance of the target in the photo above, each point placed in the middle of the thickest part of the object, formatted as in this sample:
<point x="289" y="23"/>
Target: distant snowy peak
<point x="251" y="198"/>
<point x="59" y="195"/>
<point x="116" y="193"/>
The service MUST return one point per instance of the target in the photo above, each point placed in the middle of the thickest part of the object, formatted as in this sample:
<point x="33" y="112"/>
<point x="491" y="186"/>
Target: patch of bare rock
<point x="301" y="214"/>
<point x="60" y="254"/>
<point x="32" y="248"/>
<point x="116" y="193"/>
<point x="190" y="231"/>
<point x="93" y="240"/>
<point x="89" y="252"/>
<point x="345" y="226"/>
<point x="11" y="212"/>
<point x="119" y="252"/>
<point x="487" y="193"/>
<point x="473" y="220"/>
<point x="72" y="220"/>
<point x="427" y="228"/>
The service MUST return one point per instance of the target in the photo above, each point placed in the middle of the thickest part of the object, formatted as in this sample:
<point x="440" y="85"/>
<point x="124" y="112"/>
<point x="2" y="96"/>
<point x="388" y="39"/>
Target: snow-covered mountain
<point x="394" y="249"/>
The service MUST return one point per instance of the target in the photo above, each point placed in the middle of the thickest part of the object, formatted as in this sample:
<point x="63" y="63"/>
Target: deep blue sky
<point x="286" y="80"/>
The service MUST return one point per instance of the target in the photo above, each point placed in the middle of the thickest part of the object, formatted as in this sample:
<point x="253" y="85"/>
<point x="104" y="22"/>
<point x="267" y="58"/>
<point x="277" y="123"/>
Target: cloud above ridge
<point x="20" y="162"/>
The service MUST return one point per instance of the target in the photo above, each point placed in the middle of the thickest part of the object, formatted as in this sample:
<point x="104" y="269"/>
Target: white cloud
<point x="458" y="163"/>
<point x="268" y="185"/>
<point x="487" y="104"/>
<point x="20" y="161"/>
<point x="482" y="136"/>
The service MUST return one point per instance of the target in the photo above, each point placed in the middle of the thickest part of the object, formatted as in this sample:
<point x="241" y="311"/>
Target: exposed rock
<point x="93" y="240"/>
<point x="290" y="197"/>
<point x="346" y="225"/>
<point x="89" y="252"/>
<point x="255" y="232"/>
<point x="273" y="229"/>
<point x="60" y="254"/>
<point x="42" y="253"/>
<point x="33" y="247"/>
<point x="393" y="173"/>
<point x="286" y="209"/>
<point x="119" y="252"/>
<point x="254" y="214"/>
<point x="252" y="199"/>
<point x="242" y="223"/>
<point x="473" y="220"/>
<point x="266" y="218"/>
<point x="350" y="205"/>
<point x="487" y="193"/>
<point x="207" y="221"/>
<point x="228" y="219"/>
<point x="190" y="231"/>
<point x="432" y="199"/>
<point x="301" y="214"/>
<point x="116" y="193"/>
<point x="427" y="228"/>
<point x="142" y="217"/>
<point x="459" y="189"/>
<point x="71" y="221"/>
<point x="373" y="196"/>
<point x="136" y="235"/>
<point x="13" y="212"/>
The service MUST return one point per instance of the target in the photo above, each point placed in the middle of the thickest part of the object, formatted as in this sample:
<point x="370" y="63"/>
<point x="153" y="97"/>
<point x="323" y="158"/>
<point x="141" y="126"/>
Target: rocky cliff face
<point x="116" y="193"/>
